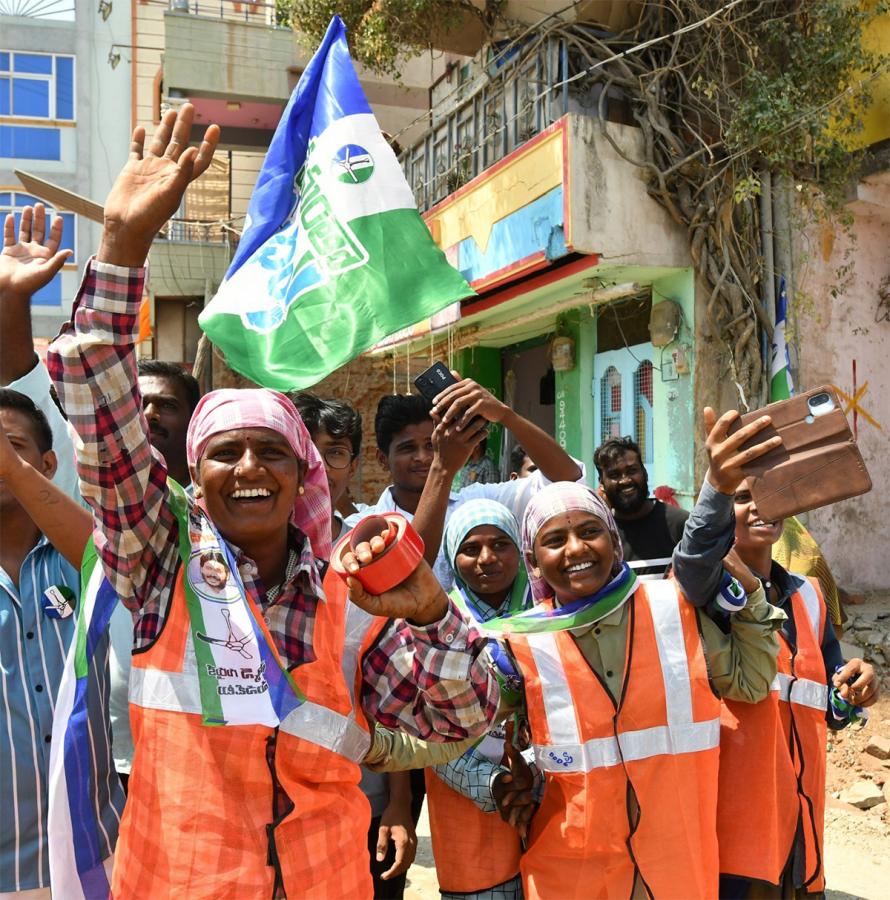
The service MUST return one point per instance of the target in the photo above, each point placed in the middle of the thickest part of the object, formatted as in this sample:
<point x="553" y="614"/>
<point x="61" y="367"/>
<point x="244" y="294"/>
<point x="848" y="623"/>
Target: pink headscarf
<point x="560" y="497"/>
<point x="229" y="409"/>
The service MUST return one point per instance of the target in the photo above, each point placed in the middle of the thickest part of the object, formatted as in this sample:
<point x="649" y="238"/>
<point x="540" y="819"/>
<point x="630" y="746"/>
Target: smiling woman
<point x="623" y="713"/>
<point x="255" y="469"/>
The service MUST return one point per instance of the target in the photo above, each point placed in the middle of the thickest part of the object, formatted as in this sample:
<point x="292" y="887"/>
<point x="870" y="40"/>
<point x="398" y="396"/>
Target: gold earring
<point x="536" y="572"/>
<point x="198" y="493"/>
<point x="301" y="490"/>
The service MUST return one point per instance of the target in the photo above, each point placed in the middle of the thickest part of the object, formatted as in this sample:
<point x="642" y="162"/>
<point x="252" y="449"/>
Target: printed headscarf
<point x="229" y="409"/>
<point x="474" y="514"/>
<point x="550" y="501"/>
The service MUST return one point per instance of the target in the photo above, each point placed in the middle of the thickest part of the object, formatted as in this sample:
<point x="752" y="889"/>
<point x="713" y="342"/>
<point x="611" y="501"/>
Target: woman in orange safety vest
<point x="477" y="854"/>
<point x="244" y="782"/>
<point x="624" y="716"/>
<point x="771" y="798"/>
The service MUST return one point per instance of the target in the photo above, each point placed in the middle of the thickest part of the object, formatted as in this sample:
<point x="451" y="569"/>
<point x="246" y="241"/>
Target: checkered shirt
<point x="433" y="682"/>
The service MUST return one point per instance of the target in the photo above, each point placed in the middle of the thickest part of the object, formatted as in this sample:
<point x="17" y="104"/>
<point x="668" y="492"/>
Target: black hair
<point x="337" y="417"/>
<point x="43" y="434"/>
<point x="212" y="556"/>
<point x="517" y="458"/>
<point x="398" y="411"/>
<point x="611" y="448"/>
<point x="158" y="368"/>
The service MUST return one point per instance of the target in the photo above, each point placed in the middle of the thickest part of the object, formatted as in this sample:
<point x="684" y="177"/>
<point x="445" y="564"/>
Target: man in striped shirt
<point x="42" y="535"/>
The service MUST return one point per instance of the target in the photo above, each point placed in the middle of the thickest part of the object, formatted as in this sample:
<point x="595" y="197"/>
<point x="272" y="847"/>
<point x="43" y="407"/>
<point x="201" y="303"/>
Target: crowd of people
<point x="598" y="693"/>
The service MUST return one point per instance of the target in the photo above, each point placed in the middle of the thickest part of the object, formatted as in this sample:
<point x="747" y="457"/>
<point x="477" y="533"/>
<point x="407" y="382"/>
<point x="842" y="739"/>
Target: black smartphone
<point x="433" y="381"/>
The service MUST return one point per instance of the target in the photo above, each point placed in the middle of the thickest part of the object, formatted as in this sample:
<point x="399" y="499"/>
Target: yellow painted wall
<point x="877" y="117"/>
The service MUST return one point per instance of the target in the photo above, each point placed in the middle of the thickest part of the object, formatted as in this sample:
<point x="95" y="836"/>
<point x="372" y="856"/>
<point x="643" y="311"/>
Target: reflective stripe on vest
<point x="801" y="691"/>
<point x="154" y="688"/>
<point x="813" y="606"/>
<point x="682" y="734"/>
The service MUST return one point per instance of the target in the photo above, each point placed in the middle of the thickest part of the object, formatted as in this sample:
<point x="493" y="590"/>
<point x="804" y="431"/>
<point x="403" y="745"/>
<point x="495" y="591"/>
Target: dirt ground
<point x="857" y="842"/>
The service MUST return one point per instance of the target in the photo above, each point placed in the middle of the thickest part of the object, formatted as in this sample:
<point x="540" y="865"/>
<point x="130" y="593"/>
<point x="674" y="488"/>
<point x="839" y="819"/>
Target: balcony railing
<point x="257" y="13"/>
<point x="190" y="231"/>
<point x="516" y="99"/>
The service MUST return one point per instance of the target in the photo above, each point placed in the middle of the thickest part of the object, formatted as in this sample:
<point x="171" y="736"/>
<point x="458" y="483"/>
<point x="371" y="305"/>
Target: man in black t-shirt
<point x="649" y="528"/>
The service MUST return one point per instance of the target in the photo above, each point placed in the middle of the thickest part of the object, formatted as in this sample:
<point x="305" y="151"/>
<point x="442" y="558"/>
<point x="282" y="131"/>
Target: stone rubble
<point x="863" y="795"/>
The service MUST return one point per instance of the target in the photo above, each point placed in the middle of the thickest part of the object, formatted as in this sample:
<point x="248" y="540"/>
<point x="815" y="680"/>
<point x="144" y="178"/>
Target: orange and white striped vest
<point x="205" y="818"/>
<point x="772" y="759"/>
<point x="473" y="850"/>
<point x="656" y="746"/>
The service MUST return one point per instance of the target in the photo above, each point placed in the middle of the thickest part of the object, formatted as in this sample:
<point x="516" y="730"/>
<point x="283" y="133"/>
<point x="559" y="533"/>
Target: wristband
<point x="401" y="555"/>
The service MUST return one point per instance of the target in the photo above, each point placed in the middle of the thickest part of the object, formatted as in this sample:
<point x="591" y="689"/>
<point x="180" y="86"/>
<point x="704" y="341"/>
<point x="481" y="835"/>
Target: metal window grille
<point x="610" y="404"/>
<point x="643" y="410"/>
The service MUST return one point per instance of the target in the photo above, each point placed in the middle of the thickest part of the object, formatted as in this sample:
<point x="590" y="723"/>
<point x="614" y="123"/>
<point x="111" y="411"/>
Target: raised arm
<point x="64" y="522"/>
<point x="451" y="451"/>
<point x="28" y="262"/>
<point x="93" y="361"/>
<point x="459" y="404"/>
<point x="429" y="675"/>
<point x="710" y="529"/>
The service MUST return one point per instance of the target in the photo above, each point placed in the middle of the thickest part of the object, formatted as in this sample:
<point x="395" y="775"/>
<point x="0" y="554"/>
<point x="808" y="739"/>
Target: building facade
<point x="63" y="122"/>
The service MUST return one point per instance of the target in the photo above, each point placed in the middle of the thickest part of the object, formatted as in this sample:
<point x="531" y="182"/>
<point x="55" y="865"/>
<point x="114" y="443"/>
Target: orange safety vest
<point x="772" y="759"/>
<point x="659" y="744"/>
<point x="205" y="819"/>
<point x="473" y="850"/>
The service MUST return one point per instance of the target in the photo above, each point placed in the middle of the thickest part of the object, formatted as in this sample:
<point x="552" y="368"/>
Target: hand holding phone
<point x="815" y="463"/>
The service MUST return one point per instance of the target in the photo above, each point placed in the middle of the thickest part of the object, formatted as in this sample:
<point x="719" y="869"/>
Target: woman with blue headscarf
<point x="477" y="854"/>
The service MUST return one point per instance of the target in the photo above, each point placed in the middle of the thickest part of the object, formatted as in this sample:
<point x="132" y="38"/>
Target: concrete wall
<point x="832" y="334"/>
<point x="96" y="147"/>
<point x="216" y="57"/>
<point x="612" y="213"/>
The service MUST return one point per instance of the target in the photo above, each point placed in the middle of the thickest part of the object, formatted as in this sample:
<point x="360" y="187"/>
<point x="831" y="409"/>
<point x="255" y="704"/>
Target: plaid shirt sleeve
<point x="434" y="682"/>
<point x="93" y="366"/>
<point x="472" y="775"/>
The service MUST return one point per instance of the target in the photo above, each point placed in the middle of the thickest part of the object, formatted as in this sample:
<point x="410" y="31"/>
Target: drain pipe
<point x="768" y="275"/>
<point x="783" y="256"/>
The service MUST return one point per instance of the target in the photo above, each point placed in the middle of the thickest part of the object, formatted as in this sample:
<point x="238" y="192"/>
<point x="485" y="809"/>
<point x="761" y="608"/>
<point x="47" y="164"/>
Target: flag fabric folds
<point x="781" y="386"/>
<point x="75" y="859"/>
<point x="334" y="255"/>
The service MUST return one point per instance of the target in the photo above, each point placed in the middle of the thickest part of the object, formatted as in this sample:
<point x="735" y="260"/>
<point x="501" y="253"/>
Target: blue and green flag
<point x="781" y="387"/>
<point x="334" y="255"/>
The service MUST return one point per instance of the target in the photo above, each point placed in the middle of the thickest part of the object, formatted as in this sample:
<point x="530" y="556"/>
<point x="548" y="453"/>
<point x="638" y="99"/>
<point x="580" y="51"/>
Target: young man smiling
<point x="405" y="449"/>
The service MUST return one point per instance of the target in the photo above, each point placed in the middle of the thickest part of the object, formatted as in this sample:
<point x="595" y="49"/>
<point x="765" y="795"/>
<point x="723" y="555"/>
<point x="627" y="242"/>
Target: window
<point x="14" y="202"/>
<point x="610" y="404"/>
<point x="34" y="86"/>
<point x="643" y="410"/>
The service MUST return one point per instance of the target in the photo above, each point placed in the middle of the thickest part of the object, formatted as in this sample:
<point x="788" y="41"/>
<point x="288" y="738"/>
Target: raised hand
<point x="419" y="598"/>
<point x="725" y="459"/>
<point x="458" y="405"/>
<point x="453" y="448"/>
<point x="30" y="262"/>
<point x="150" y="187"/>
